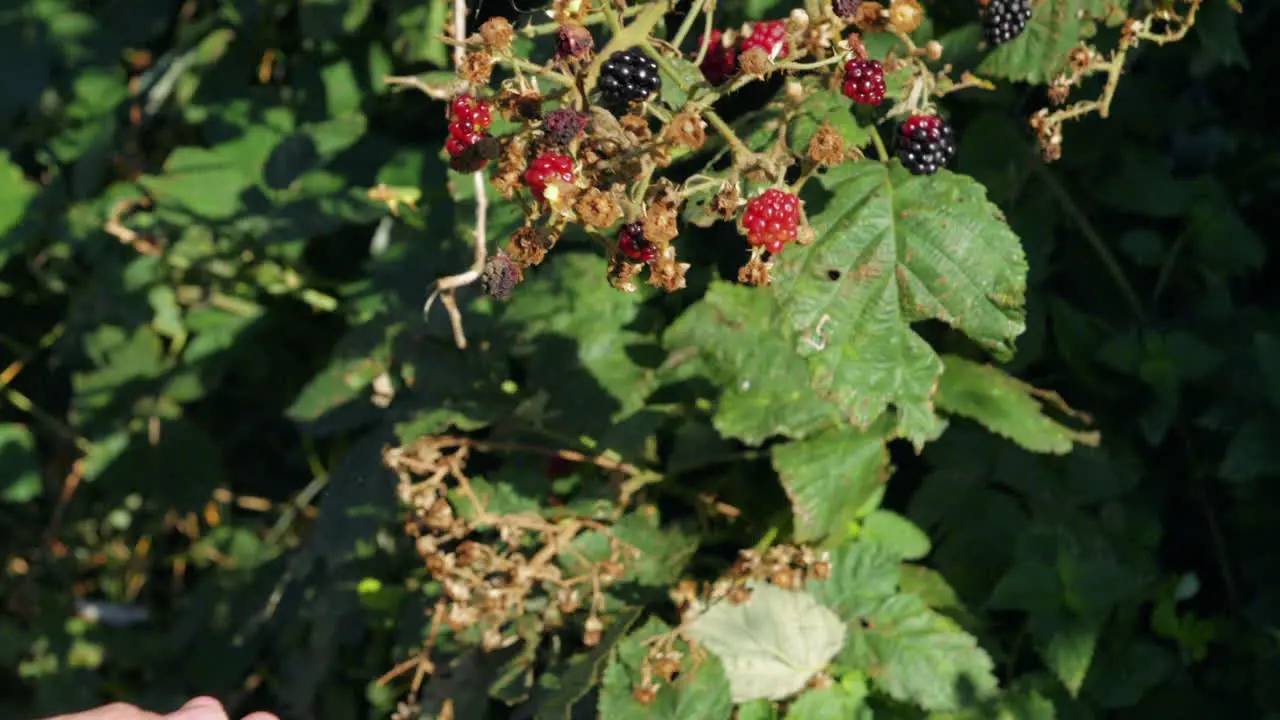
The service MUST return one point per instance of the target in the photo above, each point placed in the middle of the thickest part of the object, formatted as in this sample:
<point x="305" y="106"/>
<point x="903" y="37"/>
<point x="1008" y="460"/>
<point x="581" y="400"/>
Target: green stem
<point x="520" y="64"/>
<point x="694" y="11"/>
<point x="706" y="36"/>
<point x="740" y="149"/>
<point x="1094" y="239"/>
<point x="881" y="150"/>
<point x="595" y="18"/>
<point x="812" y="65"/>
<point x="611" y="17"/>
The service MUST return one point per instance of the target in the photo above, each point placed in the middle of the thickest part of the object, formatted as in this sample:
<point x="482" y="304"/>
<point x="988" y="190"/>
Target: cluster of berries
<point x="469" y="144"/>
<point x="720" y="61"/>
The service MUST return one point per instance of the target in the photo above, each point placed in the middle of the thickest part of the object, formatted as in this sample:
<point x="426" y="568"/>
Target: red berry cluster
<point x="632" y="243"/>
<point x="546" y="168"/>
<point x="771" y="219"/>
<point x="469" y="118"/>
<point x="769" y="35"/>
<point x="864" y="81"/>
<point x="721" y="59"/>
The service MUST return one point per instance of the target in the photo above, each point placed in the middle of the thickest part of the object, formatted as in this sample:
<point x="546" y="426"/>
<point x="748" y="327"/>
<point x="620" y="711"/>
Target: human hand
<point x="200" y="708"/>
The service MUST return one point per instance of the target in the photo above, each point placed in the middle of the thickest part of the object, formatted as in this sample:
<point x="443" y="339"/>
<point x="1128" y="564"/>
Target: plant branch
<point x="694" y="11"/>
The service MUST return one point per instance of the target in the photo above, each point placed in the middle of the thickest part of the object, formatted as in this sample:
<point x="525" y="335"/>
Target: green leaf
<point x="826" y="106"/>
<point x="16" y="193"/>
<point x="328" y="19"/>
<point x="19" y="465"/>
<point x="1066" y="643"/>
<point x="830" y="475"/>
<point x="561" y="687"/>
<point x="687" y="75"/>
<point x="1254" y="451"/>
<point x="896" y="533"/>
<point x="736" y="329"/>
<point x="862" y="574"/>
<point x="892" y="249"/>
<point x="204" y="182"/>
<point x="771" y="644"/>
<point x="701" y="692"/>
<point x="664" y="551"/>
<point x="916" y="655"/>
<point x="837" y="702"/>
<point x="1005" y="405"/>
<point x="1039" y="52"/>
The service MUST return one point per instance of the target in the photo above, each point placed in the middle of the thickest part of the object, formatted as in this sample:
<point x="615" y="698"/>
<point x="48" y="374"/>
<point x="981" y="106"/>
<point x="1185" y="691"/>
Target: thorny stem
<point x="812" y="65"/>
<point x="694" y="11"/>
<point x="1134" y="32"/>
<point x="594" y="18"/>
<point x="446" y="286"/>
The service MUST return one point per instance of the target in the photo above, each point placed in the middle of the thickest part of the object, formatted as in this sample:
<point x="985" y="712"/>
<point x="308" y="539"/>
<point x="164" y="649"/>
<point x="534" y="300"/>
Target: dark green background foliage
<point x="1138" y="579"/>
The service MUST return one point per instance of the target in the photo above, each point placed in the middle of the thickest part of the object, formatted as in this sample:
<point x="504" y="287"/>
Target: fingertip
<point x="200" y="708"/>
<point x="260" y="716"/>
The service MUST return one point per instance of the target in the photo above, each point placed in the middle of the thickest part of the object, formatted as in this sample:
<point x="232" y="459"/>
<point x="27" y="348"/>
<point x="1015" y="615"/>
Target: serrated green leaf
<point x="1066" y="643"/>
<point x="560" y="687"/>
<point x="897" y="534"/>
<point x="687" y="75"/>
<point x="701" y="692"/>
<point x="765" y="392"/>
<point x="862" y="575"/>
<point x="1039" y="52"/>
<point x="772" y="643"/>
<point x="204" y="182"/>
<point x="664" y="551"/>
<point x="1005" y="406"/>
<point x="892" y="249"/>
<point x="916" y="655"/>
<point x="830" y="475"/>
<point x="837" y="702"/>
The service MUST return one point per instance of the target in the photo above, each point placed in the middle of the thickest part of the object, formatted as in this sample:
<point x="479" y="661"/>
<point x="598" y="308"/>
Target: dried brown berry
<point x="667" y="274"/>
<point x="529" y="246"/>
<point x="564" y="125"/>
<point x="497" y="33"/>
<point x="905" y="15"/>
<point x="622" y="273"/>
<point x="821" y="570"/>
<point x="592" y="631"/>
<point x="739" y="595"/>
<point x="637" y="126"/>
<point x="755" y="272"/>
<point x="846" y="9"/>
<point x="645" y="694"/>
<point x="755" y="62"/>
<point x="574" y="42"/>
<point x="661" y="223"/>
<point x="597" y="208"/>
<point x="827" y="146"/>
<point x="686" y="129"/>
<point x="476" y="68"/>
<point x="871" y="17"/>
<point x="726" y="202"/>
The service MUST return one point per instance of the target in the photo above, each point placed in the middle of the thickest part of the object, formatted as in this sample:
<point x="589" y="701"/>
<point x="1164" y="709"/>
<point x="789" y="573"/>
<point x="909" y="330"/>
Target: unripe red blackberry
<point x="632" y="243"/>
<point x="926" y="143"/>
<point x="563" y="125"/>
<point x="864" y="81"/>
<point x="768" y="35"/>
<point x="467" y="109"/>
<point x="771" y="219"/>
<point x="721" y="61"/>
<point x="546" y="168"/>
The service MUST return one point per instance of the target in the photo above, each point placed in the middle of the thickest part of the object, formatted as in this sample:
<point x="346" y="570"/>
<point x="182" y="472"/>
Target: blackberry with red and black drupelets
<point x="721" y="59"/>
<point x="1004" y="20"/>
<point x="628" y="75"/>
<point x="469" y="146"/>
<point x="864" y="81"/>
<point x="926" y="144"/>
<point x="632" y="243"/>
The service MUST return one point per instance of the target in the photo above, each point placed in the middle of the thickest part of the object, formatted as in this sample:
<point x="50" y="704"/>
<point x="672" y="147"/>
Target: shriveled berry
<point x="574" y="41"/>
<point x="563" y="125"/>
<point x="1004" y="20"/>
<point x="467" y="109"/>
<point x="632" y="243"/>
<point x="926" y="143"/>
<point x="721" y="60"/>
<point x="546" y="168"/>
<point x="500" y="276"/>
<point x="846" y="9"/>
<point x="628" y="75"/>
<point x="864" y="81"/>
<point x="772" y="219"/>
<point x="769" y="35"/>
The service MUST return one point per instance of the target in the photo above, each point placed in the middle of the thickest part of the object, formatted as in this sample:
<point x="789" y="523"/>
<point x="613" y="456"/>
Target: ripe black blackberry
<point x="1004" y="20"/>
<point x="628" y="75"/>
<point x="925" y="144"/>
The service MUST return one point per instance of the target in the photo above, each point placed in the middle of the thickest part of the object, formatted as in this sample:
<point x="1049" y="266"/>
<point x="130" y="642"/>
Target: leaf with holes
<point x="893" y="249"/>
